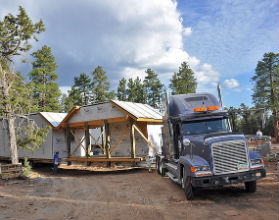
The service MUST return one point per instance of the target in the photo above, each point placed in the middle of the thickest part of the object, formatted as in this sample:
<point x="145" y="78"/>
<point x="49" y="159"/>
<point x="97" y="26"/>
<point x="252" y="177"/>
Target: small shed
<point x="112" y="131"/>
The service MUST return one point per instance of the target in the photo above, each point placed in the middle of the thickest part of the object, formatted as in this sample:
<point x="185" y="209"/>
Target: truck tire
<point x="187" y="186"/>
<point x="251" y="187"/>
<point x="157" y="165"/>
<point x="160" y="169"/>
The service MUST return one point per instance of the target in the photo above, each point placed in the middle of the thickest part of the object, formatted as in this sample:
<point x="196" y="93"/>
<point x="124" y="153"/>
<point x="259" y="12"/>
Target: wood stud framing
<point x="87" y="139"/>
<point x="107" y="131"/>
<point x="135" y="124"/>
<point x="133" y="140"/>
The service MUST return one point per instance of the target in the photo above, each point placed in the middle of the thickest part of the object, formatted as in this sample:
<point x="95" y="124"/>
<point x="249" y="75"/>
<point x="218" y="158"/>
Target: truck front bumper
<point x="234" y="178"/>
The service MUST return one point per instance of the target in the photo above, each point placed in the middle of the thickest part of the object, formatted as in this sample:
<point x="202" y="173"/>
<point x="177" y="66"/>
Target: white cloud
<point x="231" y="83"/>
<point x="187" y="31"/>
<point x="125" y="37"/>
<point x="64" y="89"/>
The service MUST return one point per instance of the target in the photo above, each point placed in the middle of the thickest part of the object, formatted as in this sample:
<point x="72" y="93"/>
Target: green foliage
<point x="27" y="169"/>
<point x="100" y="85"/>
<point x="29" y="135"/>
<point x="122" y="90"/>
<point x="83" y="86"/>
<point x="266" y="82"/>
<point x="136" y="91"/>
<point x="15" y="102"/>
<point x="46" y="91"/>
<point x="80" y="93"/>
<point x="15" y="33"/>
<point x="246" y="121"/>
<point x="266" y="86"/>
<point x="153" y="88"/>
<point x="184" y="81"/>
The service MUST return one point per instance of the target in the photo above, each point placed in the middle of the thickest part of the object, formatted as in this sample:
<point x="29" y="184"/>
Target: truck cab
<point x="200" y="149"/>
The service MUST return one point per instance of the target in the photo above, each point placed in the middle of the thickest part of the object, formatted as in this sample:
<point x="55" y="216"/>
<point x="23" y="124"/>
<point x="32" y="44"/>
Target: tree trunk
<point x="5" y="85"/>
<point x="274" y="110"/>
<point x="275" y="120"/>
<point x="12" y="139"/>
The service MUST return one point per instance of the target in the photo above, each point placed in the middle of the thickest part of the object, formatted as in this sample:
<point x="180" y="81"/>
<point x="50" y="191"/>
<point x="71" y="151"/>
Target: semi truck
<point x="200" y="149"/>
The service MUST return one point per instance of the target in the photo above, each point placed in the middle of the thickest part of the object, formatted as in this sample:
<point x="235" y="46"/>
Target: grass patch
<point x="26" y="168"/>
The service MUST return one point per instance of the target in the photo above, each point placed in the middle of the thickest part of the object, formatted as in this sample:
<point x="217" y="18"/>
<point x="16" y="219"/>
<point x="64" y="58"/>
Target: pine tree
<point x="100" y="85"/>
<point x="266" y="88"/>
<point x="153" y="88"/>
<point x="122" y="90"/>
<point x="136" y="91"/>
<point x="15" y="32"/>
<point x="72" y="99"/>
<point x="184" y="81"/>
<point x="46" y="91"/>
<point x="83" y="86"/>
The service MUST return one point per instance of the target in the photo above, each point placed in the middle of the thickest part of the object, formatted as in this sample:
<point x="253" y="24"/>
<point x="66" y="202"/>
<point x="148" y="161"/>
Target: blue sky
<point x="221" y="40"/>
<point x="232" y="36"/>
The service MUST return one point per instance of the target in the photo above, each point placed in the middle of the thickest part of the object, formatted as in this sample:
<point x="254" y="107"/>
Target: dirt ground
<point x="131" y="194"/>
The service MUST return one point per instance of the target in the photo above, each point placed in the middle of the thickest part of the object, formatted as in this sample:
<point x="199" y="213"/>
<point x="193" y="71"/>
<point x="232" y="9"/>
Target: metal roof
<point x="54" y="118"/>
<point x="139" y="110"/>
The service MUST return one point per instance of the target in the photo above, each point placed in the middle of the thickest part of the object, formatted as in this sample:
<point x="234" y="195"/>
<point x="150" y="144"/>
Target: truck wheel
<point x="160" y="169"/>
<point x="251" y="187"/>
<point x="187" y="186"/>
<point x="158" y="165"/>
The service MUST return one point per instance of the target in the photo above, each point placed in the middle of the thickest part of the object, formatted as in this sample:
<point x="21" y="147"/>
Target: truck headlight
<point x="202" y="168"/>
<point x="256" y="162"/>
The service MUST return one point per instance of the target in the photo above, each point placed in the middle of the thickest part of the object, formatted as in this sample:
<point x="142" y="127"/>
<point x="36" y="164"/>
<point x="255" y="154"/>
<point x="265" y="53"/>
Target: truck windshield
<point x="206" y="127"/>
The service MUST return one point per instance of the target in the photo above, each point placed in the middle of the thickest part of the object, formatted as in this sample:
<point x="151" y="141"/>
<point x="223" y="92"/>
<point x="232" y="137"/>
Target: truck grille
<point x="229" y="157"/>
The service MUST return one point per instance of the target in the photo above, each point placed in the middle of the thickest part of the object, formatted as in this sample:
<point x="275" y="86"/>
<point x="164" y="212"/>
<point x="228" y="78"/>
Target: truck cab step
<point x="172" y="177"/>
<point x="171" y="166"/>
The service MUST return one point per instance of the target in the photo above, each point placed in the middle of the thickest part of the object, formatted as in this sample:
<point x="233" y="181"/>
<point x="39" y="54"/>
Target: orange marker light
<point x="262" y="161"/>
<point x="193" y="170"/>
<point x="211" y="108"/>
<point x="200" y="109"/>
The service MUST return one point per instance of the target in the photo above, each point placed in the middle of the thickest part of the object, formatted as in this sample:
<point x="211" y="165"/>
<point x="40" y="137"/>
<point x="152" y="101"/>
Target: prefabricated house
<point x="114" y="131"/>
<point x="47" y="148"/>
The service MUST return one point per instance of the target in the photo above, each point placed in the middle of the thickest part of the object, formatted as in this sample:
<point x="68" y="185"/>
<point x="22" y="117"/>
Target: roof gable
<point x="53" y="118"/>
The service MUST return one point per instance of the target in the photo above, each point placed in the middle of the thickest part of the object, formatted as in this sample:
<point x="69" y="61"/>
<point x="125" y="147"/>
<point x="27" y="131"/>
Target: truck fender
<point x="254" y="155"/>
<point x="187" y="162"/>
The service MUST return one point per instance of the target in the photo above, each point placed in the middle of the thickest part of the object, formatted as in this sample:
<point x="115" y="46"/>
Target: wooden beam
<point x="99" y="123"/>
<point x="150" y="120"/>
<point x="103" y="159"/>
<point x="120" y="140"/>
<point x="107" y="139"/>
<point x="133" y="140"/>
<point x="77" y="140"/>
<point x="103" y="138"/>
<point x="149" y="143"/>
<point x="68" y="142"/>
<point x="77" y="146"/>
<point x="87" y="139"/>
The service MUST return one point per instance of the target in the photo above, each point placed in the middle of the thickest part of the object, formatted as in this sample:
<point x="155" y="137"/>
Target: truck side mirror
<point x="186" y="142"/>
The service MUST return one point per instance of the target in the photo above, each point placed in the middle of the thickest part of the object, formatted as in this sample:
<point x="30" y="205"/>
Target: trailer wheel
<point x="251" y="187"/>
<point x="187" y="186"/>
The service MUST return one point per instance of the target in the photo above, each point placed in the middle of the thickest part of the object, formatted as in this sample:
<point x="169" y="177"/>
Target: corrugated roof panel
<point x="54" y="118"/>
<point x="139" y="110"/>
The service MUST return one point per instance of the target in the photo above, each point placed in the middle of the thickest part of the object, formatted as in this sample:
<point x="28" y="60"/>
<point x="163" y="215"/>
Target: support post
<point x="133" y="140"/>
<point x="87" y="139"/>
<point x="103" y="138"/>
<point x="68" y="142"/>
<point x="107" y="147"/>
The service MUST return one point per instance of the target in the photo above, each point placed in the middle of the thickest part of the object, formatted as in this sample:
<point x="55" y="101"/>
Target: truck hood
<point x="205" y="139"/>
